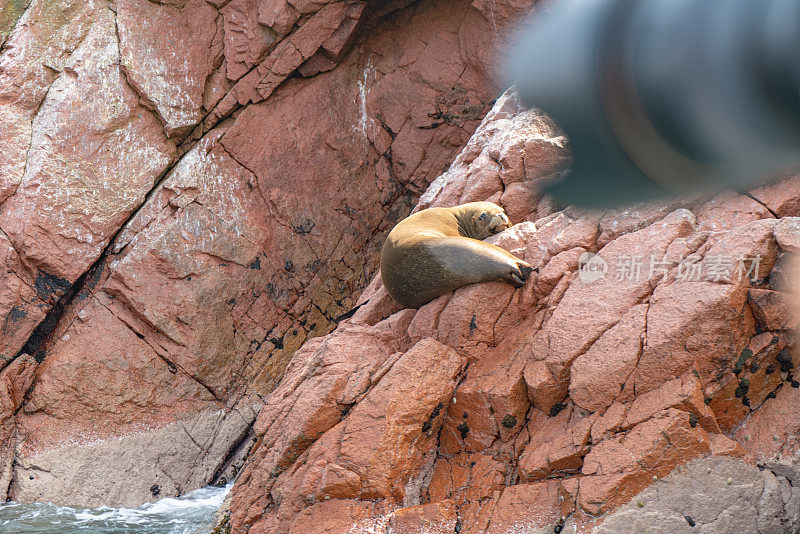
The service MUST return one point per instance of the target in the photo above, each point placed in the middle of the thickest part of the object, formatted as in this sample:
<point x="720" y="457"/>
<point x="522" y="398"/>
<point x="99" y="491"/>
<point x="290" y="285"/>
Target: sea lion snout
<point x="500" y="222"/>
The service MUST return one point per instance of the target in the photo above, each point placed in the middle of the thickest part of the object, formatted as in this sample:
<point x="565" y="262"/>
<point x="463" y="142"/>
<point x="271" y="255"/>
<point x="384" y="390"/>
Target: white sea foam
<point x="192" y="513"/>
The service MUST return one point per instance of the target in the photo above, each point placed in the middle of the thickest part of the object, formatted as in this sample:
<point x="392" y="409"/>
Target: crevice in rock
<point x="216" y="64"/>
<point x="242" y="165"/>
<point x="371" y="233"/>
<point x="55" y="313"/>
<point x="22" y="281"/>
<point x="194" y="441"/>
<point x="417" y="486"/>
<point x="35" y="342"/>
<point x="233" y="231"/>
<point x="270" y="205"/>
<point x="230" y="456"/>
<point x="155" y="332"/>
<point x="449" y="402"/>
<point x="30" y="146"/>
<point x="166" y="472"/>
<point x="144" y="101"/>
<point x="638" y="357"/>
<point x="499" y="316"/>
<point x="366" y="24"/>
<point x="194" y="134"/>
<point x="11" y="31"/>
<point x="172" y="366"/>
<point x="751" y="197"/>
<point x="9" y="463"/>
<point x="16" y="251"/>
<point x="188" y="142"/>
<point x="753" y="409"/>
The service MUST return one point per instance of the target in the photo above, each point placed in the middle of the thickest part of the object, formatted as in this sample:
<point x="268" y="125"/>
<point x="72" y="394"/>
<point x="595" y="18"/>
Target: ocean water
<point x="192" y="513"/>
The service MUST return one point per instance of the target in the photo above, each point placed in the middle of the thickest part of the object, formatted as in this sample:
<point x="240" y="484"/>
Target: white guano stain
<point x="365" y="122"/>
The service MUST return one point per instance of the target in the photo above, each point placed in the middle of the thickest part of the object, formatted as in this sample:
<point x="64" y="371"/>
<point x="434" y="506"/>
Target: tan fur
<point x="440" y="249"/>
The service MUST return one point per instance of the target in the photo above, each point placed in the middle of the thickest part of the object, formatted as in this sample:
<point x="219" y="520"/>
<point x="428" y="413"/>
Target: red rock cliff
<point x="188" y="191"/>
<point x="192" y="192"/>
<point x="495" y="410"/>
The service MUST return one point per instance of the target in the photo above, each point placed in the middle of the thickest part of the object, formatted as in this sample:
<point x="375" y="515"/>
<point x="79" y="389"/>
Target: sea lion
<point x="441" y="249"/>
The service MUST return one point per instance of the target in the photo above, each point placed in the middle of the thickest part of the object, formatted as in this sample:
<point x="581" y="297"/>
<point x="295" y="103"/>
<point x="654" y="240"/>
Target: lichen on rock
<point x="578" y="395"/>
<point x="193" y="196"/>
<point x="191" y="191"/>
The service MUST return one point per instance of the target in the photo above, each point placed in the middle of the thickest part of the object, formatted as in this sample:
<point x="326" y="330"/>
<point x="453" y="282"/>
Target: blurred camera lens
<point x="666" y="97"/>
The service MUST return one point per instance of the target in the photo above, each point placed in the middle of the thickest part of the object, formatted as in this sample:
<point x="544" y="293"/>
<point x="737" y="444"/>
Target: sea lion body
<point x="438" y="250"/>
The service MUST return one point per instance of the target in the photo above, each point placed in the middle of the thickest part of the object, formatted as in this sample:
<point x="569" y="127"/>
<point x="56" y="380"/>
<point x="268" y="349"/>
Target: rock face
<point x="194" y="193"/>
<point x="495" y="410"/>
<point x="714" y="495"/>
<point x="189" y="191"/>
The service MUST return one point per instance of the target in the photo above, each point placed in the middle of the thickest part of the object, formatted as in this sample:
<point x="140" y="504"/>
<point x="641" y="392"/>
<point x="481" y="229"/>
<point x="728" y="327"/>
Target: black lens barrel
<point x="666" y="97"/>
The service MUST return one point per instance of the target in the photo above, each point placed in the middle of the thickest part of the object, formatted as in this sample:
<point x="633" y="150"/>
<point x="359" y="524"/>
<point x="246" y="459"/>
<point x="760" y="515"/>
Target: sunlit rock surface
<point x="192" y="194"/>
<point x="573" y="394"/>
<point x="189" y="191"/>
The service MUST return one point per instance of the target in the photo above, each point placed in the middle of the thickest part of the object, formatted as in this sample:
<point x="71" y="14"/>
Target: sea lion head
<point x="481" y="219"/>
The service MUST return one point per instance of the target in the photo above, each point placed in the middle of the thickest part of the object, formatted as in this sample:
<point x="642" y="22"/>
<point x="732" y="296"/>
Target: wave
<point x="192" y="513"/>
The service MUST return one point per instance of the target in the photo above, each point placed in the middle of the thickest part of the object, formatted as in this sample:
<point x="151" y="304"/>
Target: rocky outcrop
<point x="194" y="193"/>
<point x="493" y="409"/>
<point x="714" y="494"/>
<point x="189" y="191"/>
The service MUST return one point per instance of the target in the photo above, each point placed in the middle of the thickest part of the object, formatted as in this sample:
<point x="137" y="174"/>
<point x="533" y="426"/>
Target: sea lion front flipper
<point x="469" y="261"/>
<point x="519" y="275"/>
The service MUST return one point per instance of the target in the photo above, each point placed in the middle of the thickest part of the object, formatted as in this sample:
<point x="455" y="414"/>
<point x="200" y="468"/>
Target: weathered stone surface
<point x="329" y="27"/>
<point x="381" y="450"/>
<point x="245" y="39"/>
<point x="151" y="460"/>
<point x="773" y="310"/>
<point x="439" y="516"/>
<point x="598" y="376"/>
<point x="336" y="516"/>
<point x="23" y="309"/>
<point x="169" y="75"/>
<point x="616" y="467"/>
<point x="152" y="283"/>
<point x="80" y="186"/>
<point x="526" y="507"/>
<point x="279" y="15"/>
<point x="153" y="294"/>
<point x="9" y="15"/>
<point x="780" y="199"/>
<point x="774" y="430"/>
<point x="711" y="495"/>
<point x="579" y="394"/>
<point x="66" y="190"/>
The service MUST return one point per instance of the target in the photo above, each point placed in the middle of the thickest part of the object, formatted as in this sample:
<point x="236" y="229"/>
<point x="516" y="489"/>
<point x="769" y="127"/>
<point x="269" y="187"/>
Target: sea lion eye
<point x="482" y="216"/>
